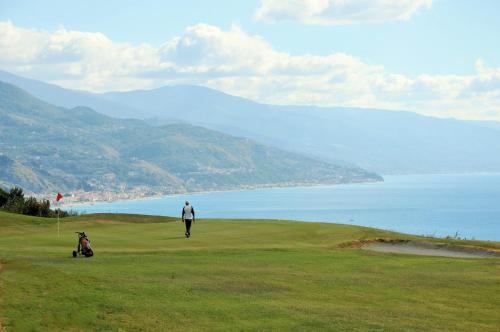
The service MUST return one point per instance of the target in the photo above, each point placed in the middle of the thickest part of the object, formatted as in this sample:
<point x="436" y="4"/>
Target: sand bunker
<point x="423" y="248"/>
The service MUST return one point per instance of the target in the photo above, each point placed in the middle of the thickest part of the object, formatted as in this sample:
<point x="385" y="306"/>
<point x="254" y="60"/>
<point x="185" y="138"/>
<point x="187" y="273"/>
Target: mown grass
<point x="232" y="275"/>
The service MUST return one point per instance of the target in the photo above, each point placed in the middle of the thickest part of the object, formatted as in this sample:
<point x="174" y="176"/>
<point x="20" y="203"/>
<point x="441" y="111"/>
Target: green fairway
<point x="232" y="275"/>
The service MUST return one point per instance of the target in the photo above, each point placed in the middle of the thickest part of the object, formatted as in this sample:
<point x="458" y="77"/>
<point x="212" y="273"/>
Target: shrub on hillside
<point x="16" y="193"/>
<point x="44" y="208"/>
<point x="15" y="202"/>
<point x="31" y="207"/>
<point x="4" y="196"/>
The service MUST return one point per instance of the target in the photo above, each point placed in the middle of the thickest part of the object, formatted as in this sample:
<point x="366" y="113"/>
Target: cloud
<point x="91" y="60"/>
<point x="245" y="65"/>
<point x="335" y="12"/>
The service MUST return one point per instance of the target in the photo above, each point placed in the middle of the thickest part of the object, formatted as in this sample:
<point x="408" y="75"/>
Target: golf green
<point x="233" y="275"/>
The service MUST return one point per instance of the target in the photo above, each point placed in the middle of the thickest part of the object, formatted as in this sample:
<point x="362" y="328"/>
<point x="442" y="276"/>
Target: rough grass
<point x="232" y="275"/>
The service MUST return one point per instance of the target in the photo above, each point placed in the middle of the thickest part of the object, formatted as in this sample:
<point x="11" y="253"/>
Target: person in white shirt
<point x="187" y="217"/>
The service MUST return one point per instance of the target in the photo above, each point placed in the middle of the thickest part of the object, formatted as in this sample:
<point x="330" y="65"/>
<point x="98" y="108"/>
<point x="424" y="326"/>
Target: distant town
<point x="85" y="197"/>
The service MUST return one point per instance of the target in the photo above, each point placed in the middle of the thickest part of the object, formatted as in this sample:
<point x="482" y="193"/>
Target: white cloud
<point x="81" y="59"/>
<point x="334" y="12"/>
<point x="245" y="65"/>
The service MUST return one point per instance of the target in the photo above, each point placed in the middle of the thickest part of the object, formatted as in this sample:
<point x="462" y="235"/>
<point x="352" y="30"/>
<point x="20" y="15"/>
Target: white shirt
<point x="187" y="212"/>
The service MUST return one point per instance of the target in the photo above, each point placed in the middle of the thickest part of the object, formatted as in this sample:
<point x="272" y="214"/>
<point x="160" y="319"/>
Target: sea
<point x="462" y="205"/>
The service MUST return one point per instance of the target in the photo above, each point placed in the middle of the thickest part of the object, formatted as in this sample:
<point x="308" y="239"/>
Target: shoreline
<point x="129" y="196"/>
<point x="145" y="193"/>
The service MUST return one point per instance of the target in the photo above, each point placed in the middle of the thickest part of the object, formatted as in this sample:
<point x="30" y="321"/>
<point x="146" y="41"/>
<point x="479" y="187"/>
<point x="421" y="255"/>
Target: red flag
<point x="59" y="197"/>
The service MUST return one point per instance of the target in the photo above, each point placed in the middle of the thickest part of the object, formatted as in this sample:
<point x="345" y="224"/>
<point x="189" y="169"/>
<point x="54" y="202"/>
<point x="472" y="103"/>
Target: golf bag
<point x="83" y="247"/>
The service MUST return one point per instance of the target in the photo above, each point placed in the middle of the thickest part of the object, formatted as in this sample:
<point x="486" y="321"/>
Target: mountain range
<point x="52" y="148"/>
<point x="387" y="142"/>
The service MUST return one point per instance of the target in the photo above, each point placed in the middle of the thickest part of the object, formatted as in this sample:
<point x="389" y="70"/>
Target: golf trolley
<point x="83" y="247"/>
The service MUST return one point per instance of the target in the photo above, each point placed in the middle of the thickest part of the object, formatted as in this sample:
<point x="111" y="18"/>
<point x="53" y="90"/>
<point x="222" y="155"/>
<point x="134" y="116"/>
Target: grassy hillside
<point x="232" y="275"/>
<point x="49" y="148"/>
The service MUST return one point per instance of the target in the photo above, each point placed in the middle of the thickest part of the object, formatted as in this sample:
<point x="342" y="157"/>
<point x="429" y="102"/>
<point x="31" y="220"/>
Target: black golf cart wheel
<point x="74" y="253"/>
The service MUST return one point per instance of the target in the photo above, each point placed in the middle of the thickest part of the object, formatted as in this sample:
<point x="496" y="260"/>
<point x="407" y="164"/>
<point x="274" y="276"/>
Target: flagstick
<point x="58" y="222"/>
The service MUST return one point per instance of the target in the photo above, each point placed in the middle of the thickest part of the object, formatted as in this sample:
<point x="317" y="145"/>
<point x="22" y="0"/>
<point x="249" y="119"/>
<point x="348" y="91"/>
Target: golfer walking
<point x="188" y="217"/>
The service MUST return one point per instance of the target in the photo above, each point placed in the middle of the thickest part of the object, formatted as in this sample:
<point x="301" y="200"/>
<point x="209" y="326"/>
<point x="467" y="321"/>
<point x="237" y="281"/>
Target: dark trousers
<point x="188" y="225"/>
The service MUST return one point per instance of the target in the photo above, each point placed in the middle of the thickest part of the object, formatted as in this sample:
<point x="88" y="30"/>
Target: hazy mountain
<point x="44" y="147"/>
<point x="67" y="98"/>
<point x="383" y="141"/>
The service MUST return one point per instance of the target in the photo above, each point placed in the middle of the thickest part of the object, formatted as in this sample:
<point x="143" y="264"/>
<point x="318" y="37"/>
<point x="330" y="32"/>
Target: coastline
<point x="145" y="193"/>
<point x="75" y="198"/>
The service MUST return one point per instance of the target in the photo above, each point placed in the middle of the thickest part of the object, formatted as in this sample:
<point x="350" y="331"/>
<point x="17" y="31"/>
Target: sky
<point x="434" y="57"/>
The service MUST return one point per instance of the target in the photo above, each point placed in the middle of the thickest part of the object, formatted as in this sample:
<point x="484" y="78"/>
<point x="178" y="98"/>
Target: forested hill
<point x="44" y="147"/>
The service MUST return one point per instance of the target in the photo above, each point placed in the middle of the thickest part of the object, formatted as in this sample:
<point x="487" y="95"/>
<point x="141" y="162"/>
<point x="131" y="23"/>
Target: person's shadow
<point x="174" y="238"/>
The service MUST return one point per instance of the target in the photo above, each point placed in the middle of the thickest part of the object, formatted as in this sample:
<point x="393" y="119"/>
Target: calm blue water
<point x="437" y="205"/>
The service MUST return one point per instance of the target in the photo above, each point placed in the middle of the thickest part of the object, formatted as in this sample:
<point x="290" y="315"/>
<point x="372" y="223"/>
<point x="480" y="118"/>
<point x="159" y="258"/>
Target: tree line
<point x="14" y="201"/>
